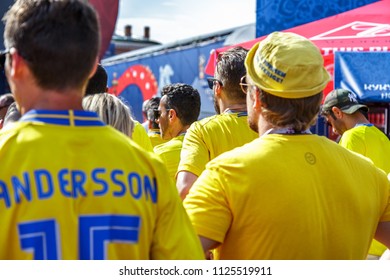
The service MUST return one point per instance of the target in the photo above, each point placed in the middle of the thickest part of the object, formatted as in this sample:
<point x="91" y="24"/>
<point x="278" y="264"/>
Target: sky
<point x="172" y="20"/>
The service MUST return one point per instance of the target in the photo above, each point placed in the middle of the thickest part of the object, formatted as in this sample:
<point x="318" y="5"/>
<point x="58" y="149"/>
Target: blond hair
<point x="111" y="110"/>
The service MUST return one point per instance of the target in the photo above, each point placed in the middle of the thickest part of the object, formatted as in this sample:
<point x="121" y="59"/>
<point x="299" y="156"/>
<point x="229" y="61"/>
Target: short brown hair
<point x="229" y="69"/>
<point x="59" y="40"/>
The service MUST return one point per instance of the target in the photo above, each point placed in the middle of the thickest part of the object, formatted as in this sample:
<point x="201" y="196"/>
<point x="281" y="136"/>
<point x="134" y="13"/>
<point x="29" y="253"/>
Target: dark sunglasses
<point x="211" y="82"/>
<point x="157" y="114"/>
<point x="3" y="54"/>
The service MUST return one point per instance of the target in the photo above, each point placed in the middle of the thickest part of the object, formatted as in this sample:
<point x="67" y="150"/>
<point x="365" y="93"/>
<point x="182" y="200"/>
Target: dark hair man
<point x="152" y="122"/>
<point x="212" y="136"/>
<point x="347" y="118"/>
<point x="179" y="108"/>
<point x="85" y="188"/>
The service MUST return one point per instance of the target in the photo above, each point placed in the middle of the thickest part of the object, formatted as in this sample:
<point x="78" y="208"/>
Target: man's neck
<point x="234" y="107"/>
<point x="54" y="100"/>
<point x="356" y="120"/>
<point x="263" y="126"/>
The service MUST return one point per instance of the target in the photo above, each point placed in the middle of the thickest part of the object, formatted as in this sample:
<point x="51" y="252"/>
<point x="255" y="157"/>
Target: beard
<point x="216" y="106"/>
<point x="253" y="124"/>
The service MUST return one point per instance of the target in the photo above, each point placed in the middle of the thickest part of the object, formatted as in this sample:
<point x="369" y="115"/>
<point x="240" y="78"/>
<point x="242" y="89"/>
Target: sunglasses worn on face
<point x="211" y="82"/>
<point x="157" y="114"/>
<point x="3" y="54"/>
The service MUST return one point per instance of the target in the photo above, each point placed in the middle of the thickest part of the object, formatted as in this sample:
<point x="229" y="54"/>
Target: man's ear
<point x="172" y="115"/>
<point x="93" y="69"/>
<point x="337" y="112"/>
<point x="257" y="103"/>
<point x="217" y="89"/>
<point x="17" y="64"/>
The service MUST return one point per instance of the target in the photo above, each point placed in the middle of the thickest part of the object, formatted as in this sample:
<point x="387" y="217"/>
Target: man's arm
<point x="208" y="244"/>
<point x="184" y="182"/>
<point x="383" y="233"/>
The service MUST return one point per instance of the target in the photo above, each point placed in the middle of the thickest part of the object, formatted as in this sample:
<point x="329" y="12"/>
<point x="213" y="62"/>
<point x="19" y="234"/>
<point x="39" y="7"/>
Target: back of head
<point x="59" y="39"/>
<point x="111" y="110"/>
<point x="343" y="99"/>
<point x="98" y="82"/>
<point x="145" y="107"/>
<point x="289" y="72"/>
<point x="185" y="100"/>
<point x="230" y="69"/>
<point x="151" y="108"/>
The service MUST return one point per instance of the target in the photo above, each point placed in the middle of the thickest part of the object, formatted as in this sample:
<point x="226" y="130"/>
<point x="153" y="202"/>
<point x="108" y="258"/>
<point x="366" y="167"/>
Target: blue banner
<point x="278" y="15"/>
<point x="364" y="73"/>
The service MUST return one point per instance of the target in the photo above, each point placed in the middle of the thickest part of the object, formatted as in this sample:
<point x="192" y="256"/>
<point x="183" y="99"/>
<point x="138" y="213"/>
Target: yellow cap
<point x="287" y="65"/>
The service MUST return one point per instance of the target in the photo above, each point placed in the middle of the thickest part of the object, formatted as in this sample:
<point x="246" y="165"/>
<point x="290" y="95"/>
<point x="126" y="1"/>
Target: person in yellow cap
<point x="347" y="118"/>
<point x="289" y="194"/>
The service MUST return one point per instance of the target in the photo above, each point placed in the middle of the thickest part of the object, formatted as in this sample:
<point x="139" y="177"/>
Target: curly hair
<point x="184" y="99"/>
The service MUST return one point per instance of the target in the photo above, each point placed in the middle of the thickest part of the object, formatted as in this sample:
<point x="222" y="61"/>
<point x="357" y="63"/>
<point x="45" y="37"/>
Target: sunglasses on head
<point x="211" y="82"/>
<point x="3" y="54"/>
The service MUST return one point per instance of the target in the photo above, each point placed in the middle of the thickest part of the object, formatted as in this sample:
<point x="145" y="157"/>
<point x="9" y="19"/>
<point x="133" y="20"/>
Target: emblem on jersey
<point x="310" y="158"/>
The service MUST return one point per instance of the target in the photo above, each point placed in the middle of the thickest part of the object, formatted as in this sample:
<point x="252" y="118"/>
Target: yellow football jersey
<point x="155" y="137"/>
<point x="369" y="141"/>
<point x="169" y="153"/>
<point x="72" y="187"/>
<point x="140" y="136"/>
<point x="212" y="136"/>
<point x="290" y="197"/>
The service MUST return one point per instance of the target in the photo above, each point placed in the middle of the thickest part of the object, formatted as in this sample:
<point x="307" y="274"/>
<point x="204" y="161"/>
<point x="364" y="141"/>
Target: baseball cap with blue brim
<point x="287" y="65"/>
<point x="343" y="99"/>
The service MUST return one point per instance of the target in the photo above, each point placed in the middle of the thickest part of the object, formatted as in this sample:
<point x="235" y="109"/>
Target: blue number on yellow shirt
<point x="40" y="238"/>
<point x="95" y="232"/>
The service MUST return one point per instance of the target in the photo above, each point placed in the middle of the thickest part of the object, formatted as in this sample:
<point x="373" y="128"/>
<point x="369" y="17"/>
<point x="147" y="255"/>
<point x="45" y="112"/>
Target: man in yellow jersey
<point x="212" y="136"/>
<point x="289" y="194"/>
<point x="346" y="116"/>
<point x="140" y="136"/>
<point x="152" y="118"/>
<point x="179" y="108"/>
<point x="74" y="187"/>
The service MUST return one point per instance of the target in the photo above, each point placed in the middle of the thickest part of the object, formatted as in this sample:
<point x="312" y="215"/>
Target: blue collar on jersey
<point x="239" y="113"/>
<point x="363" y="124"/>
<point x="64" y="117"/>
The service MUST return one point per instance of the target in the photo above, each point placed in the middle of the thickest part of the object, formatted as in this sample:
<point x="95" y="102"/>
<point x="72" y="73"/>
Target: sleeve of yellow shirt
<point x="140" y="136"/>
